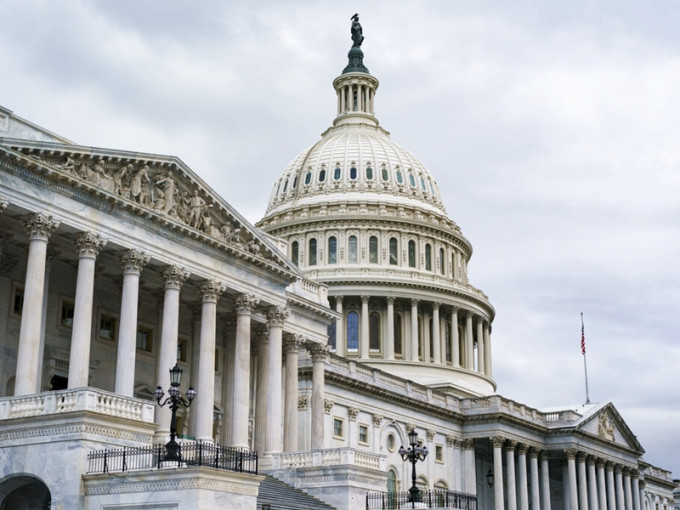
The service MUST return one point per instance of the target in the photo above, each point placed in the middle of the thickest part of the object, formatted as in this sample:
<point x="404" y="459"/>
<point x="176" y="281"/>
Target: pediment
<point x="607" y="424"/>
<point x="161" y="188"/>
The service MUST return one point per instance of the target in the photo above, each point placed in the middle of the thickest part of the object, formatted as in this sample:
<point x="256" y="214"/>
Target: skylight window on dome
<point x="428" y="257"/>
<point x="332" y="250"/>
<point x="295" y="252"/>
<point x="369" y="173"/>
<point x="393" y="251"/>
<point x="308" y="178"/>
<point x="322" y="175"/>
<point x="352" y="242"/>
<point x="373" y="250"/>
<point x="295" y="182"/>
<point x="412" y="254"/>
<point x="431" y="188"/>
<point x="385" y="174"/>
<point x="412" y="180"/>
<point x="422" y="183"/>
<point x="337" y="173"/>
<point x="285" y="186"/>
<point x="353" y="173"/>
<point x="400" y="177"/>
<point x="312" y="252"/>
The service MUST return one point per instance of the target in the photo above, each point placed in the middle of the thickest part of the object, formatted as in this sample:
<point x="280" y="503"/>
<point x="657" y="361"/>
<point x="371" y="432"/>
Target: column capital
<point x="328" y="405"/>
<point x="609" y="465"/>
<point x="89" y="244"/>
<point x="377" y="419"/>
<point x="303" y="402"/>
<point x="643" y="483"/>
<point x="292" y="343"/>
<point x="497" y="441"/>
<point x="410" y="427"/>
<point x="522" y="448"/>
<point x="571" y="453"/>
<point x="40" y="226"/>
<point x="3" y="205"/>
<point x="469" y="314"/>
<point x="510" y="445"/>
<point x="468" y="444"/>
<point x="133" y="261"/>
<point x="534" y="452"/>
<point x="414" y="302"/>
<point x="246" y="303"/>
<point x="277" y="315"/>
<point x="635" y="474"/>
<point x="364" y="299"/>
<point x="627" y="471"/>
<point x="430" y="434"/>
<point x="319" y="352"/>
<point x="450" y="440"/>
<point x="435" y="305"/>
<point x="339" y="299"/>
<point x="353" y="413"/>
<point x="545" y="455"/>
<point x="174" y="276"/>
<point x="601" y="463"/>
<point x="618" y="469"/>
<point x="582" y="457"/>
<point x="592" y="460"/>
<point x="390" y="300"/>
<point x="211" y="290"/>
<point x="454" y="309"/>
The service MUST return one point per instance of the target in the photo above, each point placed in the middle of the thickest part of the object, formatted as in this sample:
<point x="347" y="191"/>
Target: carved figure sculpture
<point x="196" y="207"/>
<point x="166" y="201"/>
<point x="605" y="427"/>
<point x="139" y="187"/>
<point x="118" y="178"/>
<point x="357" y="32"/>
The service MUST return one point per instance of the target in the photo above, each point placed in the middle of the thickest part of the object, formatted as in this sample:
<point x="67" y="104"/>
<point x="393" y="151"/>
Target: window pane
<point x="332" y="250"/>
<point x="373" y="250"/>
<point x="308" y="178"/>
<point x="352" y="331"/>
<point x="353" y="173"/>
<point x="369" y="173"/>
<point x="385" y="174"/>
<point x="331" y="335"/>
<point x="312" y="252"/>
<point x="442" y="268"/>
<point x="353" y="249"/>
<point x="400" y="177"/>
<point x="336" y="174"/>
<point x="428" y="257"/>
<point x="412" y="254"/>
<point x="412" y="180"/>
<point x="295" y="251"/>
<point x="322" y="175"/>
<point x="393" y="251"/>
<point x="374" y="331"/>
<point x="397" y="335"/>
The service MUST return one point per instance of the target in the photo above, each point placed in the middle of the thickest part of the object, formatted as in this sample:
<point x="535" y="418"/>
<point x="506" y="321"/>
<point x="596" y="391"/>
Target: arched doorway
<point x="24" y="492"/>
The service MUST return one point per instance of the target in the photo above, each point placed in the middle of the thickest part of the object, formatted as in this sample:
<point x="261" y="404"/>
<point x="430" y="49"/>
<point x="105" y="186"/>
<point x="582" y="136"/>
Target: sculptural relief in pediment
<point x="605" y="427"/>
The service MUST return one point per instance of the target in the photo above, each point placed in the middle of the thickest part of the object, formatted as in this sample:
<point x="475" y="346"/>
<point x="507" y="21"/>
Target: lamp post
<point x="175" y="399"/>
<point x="413" y="455"/>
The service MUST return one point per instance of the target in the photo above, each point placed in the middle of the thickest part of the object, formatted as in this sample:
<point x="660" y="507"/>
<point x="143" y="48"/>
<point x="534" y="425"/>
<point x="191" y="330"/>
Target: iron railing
<point x="191" y="454"/>
<point x="437" y="498"/>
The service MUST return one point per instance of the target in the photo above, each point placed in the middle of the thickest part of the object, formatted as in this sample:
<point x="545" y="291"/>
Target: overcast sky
<point x="552" y="129"/>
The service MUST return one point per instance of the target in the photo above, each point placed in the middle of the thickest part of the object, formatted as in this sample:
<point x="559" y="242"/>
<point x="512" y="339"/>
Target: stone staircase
<point x="281" y="496"/>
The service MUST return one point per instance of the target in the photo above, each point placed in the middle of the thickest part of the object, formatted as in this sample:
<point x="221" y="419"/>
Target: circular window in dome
<point x="391" y="442"/>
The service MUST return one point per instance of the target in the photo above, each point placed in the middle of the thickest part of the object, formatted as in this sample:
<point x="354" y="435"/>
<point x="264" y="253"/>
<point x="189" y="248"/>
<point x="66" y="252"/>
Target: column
<point x="582" y="482"/>
<point x="262" y="385"/>
<point x="414" y="330"/>
<point x="628" y="490"/>
<point x="195" y="354"/>
<point x="436" y="342"/>
<point x="132" y="262"/>
<point x="497" y="441"/>
<point x="363" y="336"/>
<point x="620" y="505"/>
<point x="174" y="277"/>
<point x="522" y="475"/>
<point x="545" y="480"/>
<point x="39" y="227"/>
<point x="205" y="398"/>
<point x="339" y="328"/>
<point x="455" y="340"/>
<point x="88" y="245"/>
<point x="426" y="337"/>
<point x="273" y="443"/>
<point x="319" y="358"/>
<point x="470" y="466"/>
<point x="601" y="485"/>
<point x="487" y="349"/>
<point x="636" y="491"/>
<point x="533" y="474"/>
<point x="469" y="347"/>
<point x="228" y="357"/>
<point x="291" y="348"/>
<point x="389" y="340"/>
<point x="51" y="254"/>
<point x="481" y="361"/>
<point x="571" y="473"/>
<point x="611" y="489"/>
<point x="240" y="401"/>
<point x="592" y="485"/>
<point x="510" y="465"/>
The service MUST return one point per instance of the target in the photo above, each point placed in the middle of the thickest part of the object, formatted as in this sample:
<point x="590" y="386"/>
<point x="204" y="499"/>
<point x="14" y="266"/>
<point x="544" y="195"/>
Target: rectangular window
<point x="439" y="453"/>
<point x="66" y="316"/>
<point x="363" y="434"/>
<point x="183" y="349"/>
<point x="107" y="326"/>
<point x="18" y="300"/>
<point x="217" y="360"/>
<point x="144" y="339"/>
<point x="338" y="428"/>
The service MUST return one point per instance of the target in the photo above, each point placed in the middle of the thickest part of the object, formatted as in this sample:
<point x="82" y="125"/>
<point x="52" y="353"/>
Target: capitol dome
<point x="363" y="215"/>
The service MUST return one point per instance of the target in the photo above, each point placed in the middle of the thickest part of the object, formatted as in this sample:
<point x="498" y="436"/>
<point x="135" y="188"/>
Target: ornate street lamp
<point x="413" y="455"/>
<point x="172" y="448"/>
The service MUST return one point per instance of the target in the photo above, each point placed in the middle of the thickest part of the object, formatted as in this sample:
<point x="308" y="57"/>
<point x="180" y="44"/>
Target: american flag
<point x="583" y="337"/>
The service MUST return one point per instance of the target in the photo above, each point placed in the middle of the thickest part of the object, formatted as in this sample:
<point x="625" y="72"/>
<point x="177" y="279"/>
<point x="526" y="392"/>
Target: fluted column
<point x="276" y="317"/>
<point x="436" y="342"/>
<point x="414" y="330"/>
<point x="291" y="347"/>
<point x="522" y="475"/>
<point x="611" y="488"/>
<point x="262" y="390"/>
<point x="571" y="473"/>
<point x="205" y="400"/>
<point x="533" y="475"/>
<point x="319" y="358"/>
<point x="582" y="482"/>
<point x="245" y="304"/>
<point x="228" y="359"/>
<point x="88" y="245"/>
<point x="363" y="336"/>
<point x="132" y="262"/>
<point x="470" y="465"/>
<point x="636" y="491"/>
<point x="601" y="485"/>
<point x="545" y="480"/>
<point x="339" y="328"/>
<point x="592" y="485"/>
<point x="628" y="490"/>
<point x="499" y="503"/>
<point x="487" y="350"/>
<point x="389" y="340"/>
<point x="39" y="227"/>
<point x="481" y="360"/>
<point x="174" y="277"/>
<point x="455" y="339"/>
<point x="195" y="355"/>
<point x="620" y="505"/>
<point x="510" y="465"/>
<point x="469" y="347"/>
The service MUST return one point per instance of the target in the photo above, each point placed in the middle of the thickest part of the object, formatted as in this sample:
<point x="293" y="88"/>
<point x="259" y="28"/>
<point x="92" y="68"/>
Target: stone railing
<point x="80" y="399"/>
<point x="330" y="457"/>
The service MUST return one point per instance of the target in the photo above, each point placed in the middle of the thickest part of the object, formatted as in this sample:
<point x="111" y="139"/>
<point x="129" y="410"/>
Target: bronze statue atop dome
<point x="357" y="33"/>
<point x="355" y="55"/>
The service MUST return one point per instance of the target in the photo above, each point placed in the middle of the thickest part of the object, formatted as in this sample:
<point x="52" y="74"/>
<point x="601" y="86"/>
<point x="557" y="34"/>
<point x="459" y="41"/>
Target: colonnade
<point x="270" y="401"/>
<point x="588" y="482"/>
<point x="419" y="341"/>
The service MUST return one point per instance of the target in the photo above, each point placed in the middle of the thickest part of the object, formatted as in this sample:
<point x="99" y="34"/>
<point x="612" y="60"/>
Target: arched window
<point x="353" y="173"/>
<point x="352" y="241"/>
<point x="398" y="344"/>
<point x="285" y="186"/>
<point x="412" y="180"/>
<point x="412" y="254"/>
<point x="322" y="175"/>
<point x="295" y="252"/>
<point x="373" y="250"/>
<point x="394" y="260"/>
<point x="332" y="250"/>
<point x="392" y="486"/>
<point x="374" y="332"/>
<point x="308" y="177"/>
<point x="312" y="252"/>
<point x="352" y="332"/>
<point x="337" y="173"/>
<point x="442" y="263"/>
<point x="428" y="257"/>
<point x="369" y="173"/>
<point x="400" y="177"/>
<point x="295" y="182"/>
<point x="431" y="187"/>
<point x="331" y="336"/>
<point x="385" y="174"/>
<point x="422" y="183"/>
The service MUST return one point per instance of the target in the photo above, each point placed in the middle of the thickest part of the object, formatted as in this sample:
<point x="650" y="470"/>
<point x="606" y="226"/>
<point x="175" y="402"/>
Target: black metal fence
<point x="191" y="454"/>
<point x="428" y="499"/>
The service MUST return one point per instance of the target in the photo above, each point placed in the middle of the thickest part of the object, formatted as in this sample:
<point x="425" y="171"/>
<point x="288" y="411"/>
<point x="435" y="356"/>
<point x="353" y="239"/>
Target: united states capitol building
<point x="316" y="340"/>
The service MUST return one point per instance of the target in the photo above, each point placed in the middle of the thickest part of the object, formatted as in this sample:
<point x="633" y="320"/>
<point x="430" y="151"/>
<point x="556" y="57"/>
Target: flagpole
<point x="583" y="351"/>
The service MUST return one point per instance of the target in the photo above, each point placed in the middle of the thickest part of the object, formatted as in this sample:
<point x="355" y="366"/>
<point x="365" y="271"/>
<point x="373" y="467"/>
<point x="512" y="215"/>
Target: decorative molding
<point x="327" y="405"/>
<point x="246" y="303"/>
<point x="430" y="434"/>
<point x="303" y="402"/>
<point x="277" y="315"/>
<point x="133" y="261"/>
<point x="211" y="290"/>
<point x="165" y="485"/>
<point x="353" y="413"/>
<point x="174" y="277"/>
<point x="377" y="419"/>
<point x="40" y="226"/>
